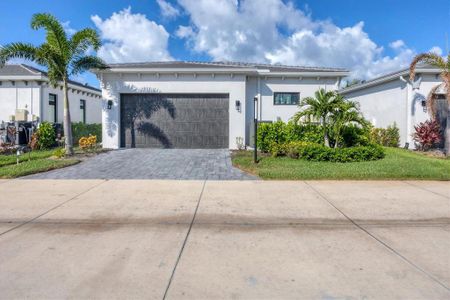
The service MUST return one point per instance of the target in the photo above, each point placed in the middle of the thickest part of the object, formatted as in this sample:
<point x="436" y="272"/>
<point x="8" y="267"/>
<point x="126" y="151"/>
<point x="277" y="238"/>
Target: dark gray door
<point x="174" y="121"/>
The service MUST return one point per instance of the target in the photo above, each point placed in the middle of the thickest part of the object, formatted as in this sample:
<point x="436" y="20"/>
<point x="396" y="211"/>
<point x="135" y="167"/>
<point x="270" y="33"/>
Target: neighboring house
<point x="207" y="105"/>
<point x="26" y="88"/>
<point x="393" y="98"/>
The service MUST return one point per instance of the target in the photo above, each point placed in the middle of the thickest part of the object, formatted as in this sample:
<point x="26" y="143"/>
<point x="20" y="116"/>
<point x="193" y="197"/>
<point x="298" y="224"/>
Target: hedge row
<point x="315" y="152"/>
<point x="80" y="129"/>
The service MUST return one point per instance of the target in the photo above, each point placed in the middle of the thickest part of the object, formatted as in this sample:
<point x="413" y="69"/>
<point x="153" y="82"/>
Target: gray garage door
<point x="174" y="121"/>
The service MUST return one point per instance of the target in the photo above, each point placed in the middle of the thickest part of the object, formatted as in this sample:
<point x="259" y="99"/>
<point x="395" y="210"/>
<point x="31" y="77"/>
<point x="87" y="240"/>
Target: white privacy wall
<point x="93" y="105"/>
<point x="113" y="85"/>
<point x="18" y="96"/>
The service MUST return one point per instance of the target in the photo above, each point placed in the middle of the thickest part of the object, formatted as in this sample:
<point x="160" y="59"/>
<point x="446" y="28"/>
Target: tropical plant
<point x="46" y="136"/>
<point x="345" y="113"/>
<point x="63" y="57"/>
<point x="319" y="108"/>
<point x="427" y="134"/>
<point x="444" y="65"/>
<point x="389" y="137"/>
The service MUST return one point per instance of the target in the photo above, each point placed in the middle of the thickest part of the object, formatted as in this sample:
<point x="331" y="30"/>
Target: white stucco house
<point x="393" y="98"/>
<point x="27" y="89"/>
<point x="199" y="104"/>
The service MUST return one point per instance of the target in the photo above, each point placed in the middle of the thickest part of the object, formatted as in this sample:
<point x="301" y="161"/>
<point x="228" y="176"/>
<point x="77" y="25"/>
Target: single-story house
<point x="394" y="98"/>
<point x="201" y="104"/>
<point x="26" y="95"/>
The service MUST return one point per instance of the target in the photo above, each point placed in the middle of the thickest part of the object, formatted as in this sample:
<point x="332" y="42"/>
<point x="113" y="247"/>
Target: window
<point x="83" y="110"/>
<point x="286" y="98"/>
<point x="52" y="108"/>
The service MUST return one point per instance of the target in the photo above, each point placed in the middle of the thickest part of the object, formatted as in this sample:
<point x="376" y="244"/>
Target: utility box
<point x="21" y="115"/>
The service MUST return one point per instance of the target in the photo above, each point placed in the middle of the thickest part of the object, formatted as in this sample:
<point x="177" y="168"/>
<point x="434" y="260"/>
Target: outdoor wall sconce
<point x="238" y="105"/>
<point x="424" y="105"/>
<point x="110" y="104"/>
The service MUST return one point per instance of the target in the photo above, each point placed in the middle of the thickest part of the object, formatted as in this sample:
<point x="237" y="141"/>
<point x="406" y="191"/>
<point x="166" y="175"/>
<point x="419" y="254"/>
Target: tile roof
<point x="223" y="64"/>
<point x="26" y="70"/>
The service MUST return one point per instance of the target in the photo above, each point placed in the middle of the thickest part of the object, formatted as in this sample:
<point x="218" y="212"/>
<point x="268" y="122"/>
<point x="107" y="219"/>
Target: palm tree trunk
<point x="67" y="121"/>
<point x="326" y="139"/>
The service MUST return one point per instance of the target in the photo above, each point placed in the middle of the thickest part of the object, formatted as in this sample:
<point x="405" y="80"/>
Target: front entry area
<point x="185" y="121"/>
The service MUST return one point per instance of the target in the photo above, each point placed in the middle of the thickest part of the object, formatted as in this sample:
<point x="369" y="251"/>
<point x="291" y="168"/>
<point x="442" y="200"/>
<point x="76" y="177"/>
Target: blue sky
<point x="316" y="32"/>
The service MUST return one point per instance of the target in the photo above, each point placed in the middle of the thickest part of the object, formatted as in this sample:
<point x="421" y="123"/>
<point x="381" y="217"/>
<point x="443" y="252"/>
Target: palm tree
<point x="347" y="112"/>
<point x="444" y="65"/>
<point x="320" y="107"/>
<point x="62" y="56"/>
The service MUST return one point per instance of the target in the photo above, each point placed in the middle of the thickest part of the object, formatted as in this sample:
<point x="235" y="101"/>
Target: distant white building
<point x="26" y="88"/>
<point x="393" y="98"/>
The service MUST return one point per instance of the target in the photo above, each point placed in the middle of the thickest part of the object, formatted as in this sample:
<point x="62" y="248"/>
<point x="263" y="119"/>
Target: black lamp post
<point x="255" y="133"/>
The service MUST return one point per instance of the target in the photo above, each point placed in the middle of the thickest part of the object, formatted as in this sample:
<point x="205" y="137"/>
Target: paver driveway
<point x="200" y="164"/>
<point x="154" y="239"/>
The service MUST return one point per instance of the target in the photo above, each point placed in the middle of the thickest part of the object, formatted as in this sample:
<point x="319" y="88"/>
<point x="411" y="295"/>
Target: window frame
<point x="281" y="104"/>
<point x="55" y="104"/>
<point x="83" y="109"/>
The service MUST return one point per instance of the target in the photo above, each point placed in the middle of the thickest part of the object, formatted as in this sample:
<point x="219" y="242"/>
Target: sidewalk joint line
<point x="51" y="209"/>
<point x="185" y="241"/>
<point x="379" y="240"/>
<point x="425" y="189"/>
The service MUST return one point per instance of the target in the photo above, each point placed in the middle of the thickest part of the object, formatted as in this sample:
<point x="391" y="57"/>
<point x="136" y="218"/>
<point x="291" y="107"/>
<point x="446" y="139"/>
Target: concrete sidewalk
<point x="224" y="239"/>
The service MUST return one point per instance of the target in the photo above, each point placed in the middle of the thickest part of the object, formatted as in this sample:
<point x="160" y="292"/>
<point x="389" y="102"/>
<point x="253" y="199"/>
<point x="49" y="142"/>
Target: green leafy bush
<point x="59" y="153"/>
<point x="316" y="152"/>
<point x="45" y="136"/>
<point x="272" y="134"/>
<point x="389" y="137"/>
<point x="80" y="130"/>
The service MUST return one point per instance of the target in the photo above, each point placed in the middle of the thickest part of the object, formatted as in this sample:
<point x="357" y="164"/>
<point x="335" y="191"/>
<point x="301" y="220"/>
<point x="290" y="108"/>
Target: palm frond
<point x="56" y="36"/>
<point x="429" y="58"/>
<point x="18" y="50"/>
<point x="83" y="39"/>
<point x="84" y="63"/>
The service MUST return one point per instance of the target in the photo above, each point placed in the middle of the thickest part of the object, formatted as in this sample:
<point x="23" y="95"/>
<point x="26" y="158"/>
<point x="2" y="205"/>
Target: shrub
<point x="59" y="152"/>
<point x="88" y="143"/>
<point x="427" y="134"/>
<point x="278" y="133"/>
<point x="355" y="136"/>
<point x="389" y="137"/>
<point x="80" y="130"/>
<point x="317" y="152"/>
<point x="45" y="136"/>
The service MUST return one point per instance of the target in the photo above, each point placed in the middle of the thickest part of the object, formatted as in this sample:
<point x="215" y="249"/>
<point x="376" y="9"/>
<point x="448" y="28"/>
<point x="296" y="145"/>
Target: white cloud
<point x="167" y="9"/>
<point x="69" y="30"/>
<point x="275" y="31"/>
<point x="437" y="50"/>
<point x="397" y="44"/>
<point x="131" y="37"/>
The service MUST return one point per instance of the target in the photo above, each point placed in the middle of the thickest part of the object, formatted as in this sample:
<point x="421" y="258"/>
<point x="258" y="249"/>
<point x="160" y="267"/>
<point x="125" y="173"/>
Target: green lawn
<point x="37" y="154"/>
<point x="34" y="166"/>
<point x="398" y="164"/>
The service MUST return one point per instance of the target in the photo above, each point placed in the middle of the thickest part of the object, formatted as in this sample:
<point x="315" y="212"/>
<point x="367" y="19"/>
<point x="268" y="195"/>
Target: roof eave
<point x="387" y="78"/>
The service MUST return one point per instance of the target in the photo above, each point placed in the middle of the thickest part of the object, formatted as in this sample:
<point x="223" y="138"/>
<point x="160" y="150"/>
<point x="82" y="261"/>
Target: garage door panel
<point x="201" y="121"/>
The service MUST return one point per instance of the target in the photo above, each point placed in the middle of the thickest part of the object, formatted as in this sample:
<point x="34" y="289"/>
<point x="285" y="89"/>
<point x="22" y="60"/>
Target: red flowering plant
<point x="427" y="134"/>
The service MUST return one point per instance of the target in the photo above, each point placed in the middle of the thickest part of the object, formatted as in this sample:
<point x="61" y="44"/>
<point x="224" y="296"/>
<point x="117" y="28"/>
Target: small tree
<point x="345" y="113"/>
<point x="63" y="57"/>
<point x="320" y="107"/>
